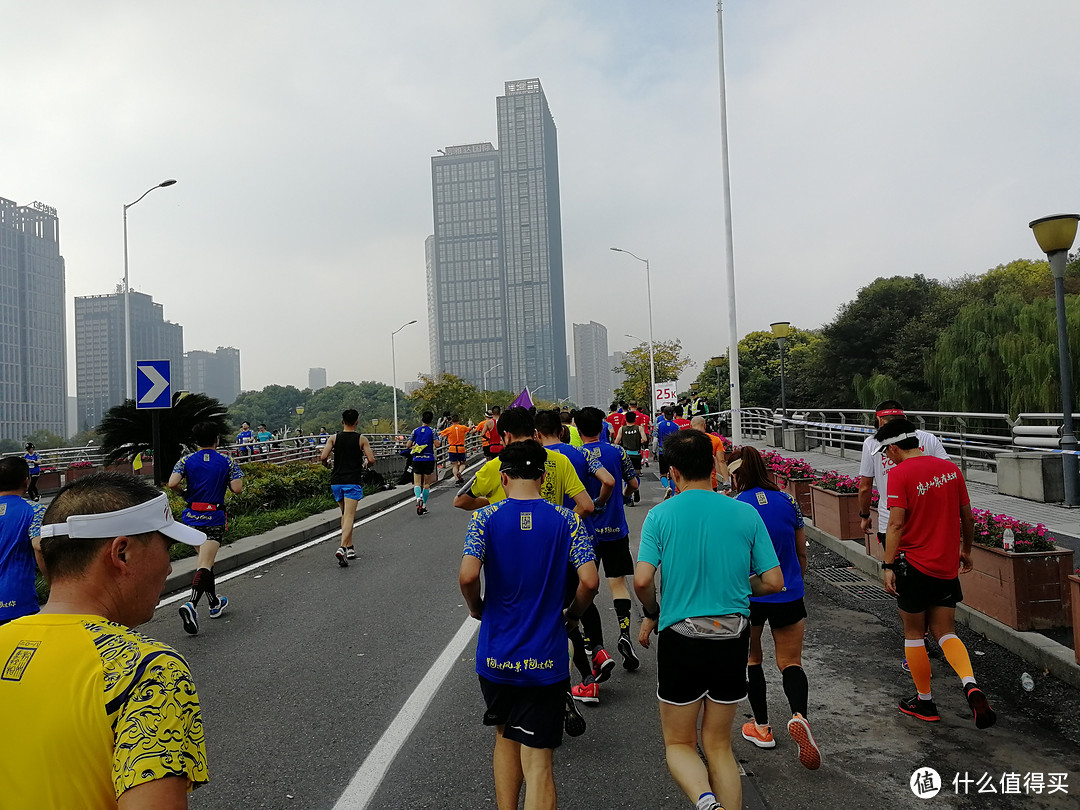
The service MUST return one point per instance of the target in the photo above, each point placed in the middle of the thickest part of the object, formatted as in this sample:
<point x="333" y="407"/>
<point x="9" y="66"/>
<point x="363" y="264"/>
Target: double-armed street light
<point x="1055" y="235"/>
<point x="781" y="330"/>
<point x="393" y="364"/>
<point x="129" y="377"/>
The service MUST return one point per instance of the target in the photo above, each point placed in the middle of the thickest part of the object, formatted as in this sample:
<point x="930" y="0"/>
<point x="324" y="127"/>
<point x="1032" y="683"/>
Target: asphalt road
<point x="311" y="664"/>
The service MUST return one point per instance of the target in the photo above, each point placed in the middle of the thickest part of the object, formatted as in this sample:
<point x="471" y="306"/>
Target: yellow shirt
<point x="561" y="480"/>
<point x="575" y="436"/>
<point x="91" y="708"/>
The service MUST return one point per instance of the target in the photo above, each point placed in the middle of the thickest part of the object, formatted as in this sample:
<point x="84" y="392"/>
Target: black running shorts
<point x="530" y="715"/>
<point x="615" y="557"/>
<point x="635" y="461"/>
<point x="663" y="464"/>
<point x="916" y="591"/>
<point x="216" y="533"/>
<point x="422" y="466"/>
<point x="689" y="669"/>
<point x="777" y="614"/>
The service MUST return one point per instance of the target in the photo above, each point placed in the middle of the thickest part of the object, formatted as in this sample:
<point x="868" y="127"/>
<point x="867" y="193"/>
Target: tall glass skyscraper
<point x="496" y="260"/>
<point x="33" y="357"/>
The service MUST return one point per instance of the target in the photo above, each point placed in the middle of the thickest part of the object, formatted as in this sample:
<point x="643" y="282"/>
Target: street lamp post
<point x="717" y="362"/>
<point x="781" y="330"/>
<point x="1055" y="236"/>
<point x="393" y="364"/>
<point x="652" y="359"/>
<point x="485" y="384"/>
<point x="130" y="376"/>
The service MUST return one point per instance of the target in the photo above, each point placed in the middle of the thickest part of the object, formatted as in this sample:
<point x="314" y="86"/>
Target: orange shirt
<point x="717" y="446"/>
<point x="455" y="437"/>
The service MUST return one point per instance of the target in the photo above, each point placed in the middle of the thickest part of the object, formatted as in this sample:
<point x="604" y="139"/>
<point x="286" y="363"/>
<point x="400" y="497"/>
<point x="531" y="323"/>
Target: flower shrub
<point x="835" y="482"/>
<point x="80" y="465"/>
<point x="990" y="528"/>
<point x="786" y="468"/>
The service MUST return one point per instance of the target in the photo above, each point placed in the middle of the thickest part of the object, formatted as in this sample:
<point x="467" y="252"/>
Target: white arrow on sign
<point x="160" y="384"/>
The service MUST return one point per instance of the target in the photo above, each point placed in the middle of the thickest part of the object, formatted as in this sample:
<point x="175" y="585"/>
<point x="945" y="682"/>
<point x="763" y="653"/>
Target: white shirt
<point x="877" y="467"/>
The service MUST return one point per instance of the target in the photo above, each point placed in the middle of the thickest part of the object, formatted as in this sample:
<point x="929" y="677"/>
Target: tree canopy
<point x="669" y="360"/>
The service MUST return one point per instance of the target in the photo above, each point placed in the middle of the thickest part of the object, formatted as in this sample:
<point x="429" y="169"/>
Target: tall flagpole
<point x="733" y="331"/>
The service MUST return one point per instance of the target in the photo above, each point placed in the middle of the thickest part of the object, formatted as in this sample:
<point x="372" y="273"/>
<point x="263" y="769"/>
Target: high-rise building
<point x="33" y="358"/>
<point x="496" y="259"/>
<point x="316" y="378"/>
<point x="591" y="364"/>
<point x="216" y="374"/>
<point x="617" y="377"/>
<point x="99" y="349"/>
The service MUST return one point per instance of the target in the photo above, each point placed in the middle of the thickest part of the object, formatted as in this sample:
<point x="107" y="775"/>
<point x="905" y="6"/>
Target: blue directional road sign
<point x="153" y="384"/>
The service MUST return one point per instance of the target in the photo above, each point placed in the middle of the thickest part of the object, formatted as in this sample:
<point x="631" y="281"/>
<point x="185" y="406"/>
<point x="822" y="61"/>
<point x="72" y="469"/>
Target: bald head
<point x="698" y="423"/>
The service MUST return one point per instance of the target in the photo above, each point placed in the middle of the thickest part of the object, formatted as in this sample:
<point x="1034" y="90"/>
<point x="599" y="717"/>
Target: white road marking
<point x="365" y="784"/>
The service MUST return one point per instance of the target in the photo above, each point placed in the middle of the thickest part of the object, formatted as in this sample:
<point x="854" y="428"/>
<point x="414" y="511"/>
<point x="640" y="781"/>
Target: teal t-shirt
<point x="706" y="546"/>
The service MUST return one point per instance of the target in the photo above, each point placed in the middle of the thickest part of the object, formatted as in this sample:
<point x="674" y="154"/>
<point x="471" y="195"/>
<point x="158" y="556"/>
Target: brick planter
<point x="75" y="473"/>
<point x="48" y="481"/>
<point x="799" y="489"/>
<point x="836" y="513"/>
<point x="1025" y="591"/>
<point x="1074" y="598"/>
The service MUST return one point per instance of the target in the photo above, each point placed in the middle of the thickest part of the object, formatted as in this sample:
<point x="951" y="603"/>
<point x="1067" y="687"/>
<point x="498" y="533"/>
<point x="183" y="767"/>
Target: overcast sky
<point x="866" y="139"/>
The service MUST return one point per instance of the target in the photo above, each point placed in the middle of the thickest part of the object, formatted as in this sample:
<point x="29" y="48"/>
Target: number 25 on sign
<point x="665" y="393"/>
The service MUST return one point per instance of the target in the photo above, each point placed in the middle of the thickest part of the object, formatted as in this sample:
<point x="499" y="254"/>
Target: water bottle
<point x="1008" y="539"/>
<point x="1027" y="682"/>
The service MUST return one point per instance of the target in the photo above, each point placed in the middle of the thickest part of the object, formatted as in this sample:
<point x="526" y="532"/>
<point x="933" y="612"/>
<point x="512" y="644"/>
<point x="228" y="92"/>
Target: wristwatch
<point x="864" y="515"/>
<point x="651" y="616"/>
<point x="888" y="566"/>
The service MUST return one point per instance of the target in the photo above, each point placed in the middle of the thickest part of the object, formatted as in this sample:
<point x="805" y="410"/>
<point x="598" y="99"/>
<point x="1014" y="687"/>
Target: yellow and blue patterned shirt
<point x="91" y="709"/>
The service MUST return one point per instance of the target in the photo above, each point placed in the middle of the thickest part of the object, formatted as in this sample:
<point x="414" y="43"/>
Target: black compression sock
<point x="209" y="586"/>
<point x="755" y="687"/>
<point x="796" y="688"/>
<point x="581" y="657"/>
<point x="622" y="610"/>
<point x="590" y="624"/>
<point x="197" y="586"/>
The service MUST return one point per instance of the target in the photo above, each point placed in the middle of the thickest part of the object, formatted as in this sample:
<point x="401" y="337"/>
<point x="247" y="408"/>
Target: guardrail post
<point x="843" y="434"/>
<point x="963" y="445"/>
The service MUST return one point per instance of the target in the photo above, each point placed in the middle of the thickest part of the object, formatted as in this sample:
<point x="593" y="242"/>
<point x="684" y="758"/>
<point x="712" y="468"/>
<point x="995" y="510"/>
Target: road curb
<point x="1043" y="652"/>
<point x="259" y="546"/>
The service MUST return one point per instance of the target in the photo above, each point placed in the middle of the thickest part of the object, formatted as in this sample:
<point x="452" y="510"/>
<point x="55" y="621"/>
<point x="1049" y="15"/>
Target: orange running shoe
<point x="799" y="729"/>
<point x="762" y="739"/>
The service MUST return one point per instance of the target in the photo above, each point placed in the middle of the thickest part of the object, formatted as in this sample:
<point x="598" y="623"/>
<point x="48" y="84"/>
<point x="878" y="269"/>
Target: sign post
<point x="153" y="391"/>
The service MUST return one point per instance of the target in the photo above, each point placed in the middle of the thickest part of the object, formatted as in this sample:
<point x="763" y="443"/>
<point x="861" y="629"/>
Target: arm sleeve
<point x="159" y="729"/>
<point x="649" y="548"/>
<point x="762" y="554"/>
<point x="475" y="540"/>
<point x="234" y="470"/>
<point x="180" y="468"/>
<point x="35" y="523"/>
<point x="581" y="547"/>
<point x="866" y="461"/>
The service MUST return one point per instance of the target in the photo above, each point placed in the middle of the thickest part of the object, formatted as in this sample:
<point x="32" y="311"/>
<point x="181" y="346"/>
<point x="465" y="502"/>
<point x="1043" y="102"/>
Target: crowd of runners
<point x="548" y="512"/>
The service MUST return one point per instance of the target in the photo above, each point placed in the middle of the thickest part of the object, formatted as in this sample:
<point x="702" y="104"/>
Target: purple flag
<point x="523" y="400"/>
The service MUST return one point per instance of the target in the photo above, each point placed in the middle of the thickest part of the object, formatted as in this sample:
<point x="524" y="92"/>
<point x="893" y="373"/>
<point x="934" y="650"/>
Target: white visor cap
<point x="154" y="515"/>
<point x="894" y="440"/>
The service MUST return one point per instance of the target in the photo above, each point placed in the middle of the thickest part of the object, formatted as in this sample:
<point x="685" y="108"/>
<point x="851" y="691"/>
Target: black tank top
<point x="631" y="438"/>
<point x="348" y="458"/>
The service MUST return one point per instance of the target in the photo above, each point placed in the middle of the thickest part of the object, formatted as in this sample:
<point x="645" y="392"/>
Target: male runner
<point x="719" y="453"/>
<point x="631" y="438"/>
<point x="455" y="435"/>
<point x="33" y="461"/>
<point x="349" y="448"/>
<point x="244" y="438"/>
<point x="683" y="424"/>
<point x="422" y="445"/>
<point x="615" y="419"/>
<point x="929" y="512"/>
<point x="664" y="428"/>
<point x="612" y="548"/>
<point x="96" y="715"/>
<point x="20" y="524"/>
<point x="489" y="432"/>
<point x="874" y="467"/>
<point x="525" y="547"/>
<point x="643" y="419"/>
<point x="209" y="476"/>
<point x="561" y="481"/>
<point x="263" y="437"/>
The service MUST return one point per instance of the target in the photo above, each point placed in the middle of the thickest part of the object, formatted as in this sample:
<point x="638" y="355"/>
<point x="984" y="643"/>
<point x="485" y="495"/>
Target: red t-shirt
<point x="643" y="420"/>
<point x="616" y="420"/>
<point x="931" y="491"/>
<point x="684" y="424"/>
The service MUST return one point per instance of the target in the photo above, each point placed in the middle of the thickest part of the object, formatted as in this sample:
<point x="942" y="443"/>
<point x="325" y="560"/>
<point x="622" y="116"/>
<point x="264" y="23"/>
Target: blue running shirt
<point x="423" y="439"/>
<point x="20" y="523"/>
<point x="664" y="427"/>
<point x="609" y="524"/>
<point x="208" y="474"/>
<point x="527" y="549"/>
<point x="782" y="517"/>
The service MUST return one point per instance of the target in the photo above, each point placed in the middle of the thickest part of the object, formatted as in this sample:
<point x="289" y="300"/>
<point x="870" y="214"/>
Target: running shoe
<point x="799" y="729"/>
<point x="350" y="553"/>
<point x="923" y="709"/>
<point x="419" y="508"/>
<point x="602" y="664"/>
<point x="637" y="496"/>
<point x="630" y="661"/>
<point x="762" y="739"/>
<point x="342" y="557"/>
<point x="586" y="692"/>
<point x="904" y="666"/>
<point x="190" y="618"/>
<point x="215" y="611"/>
<point x="980" y="706"/>
<point x="573" y="720"/>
